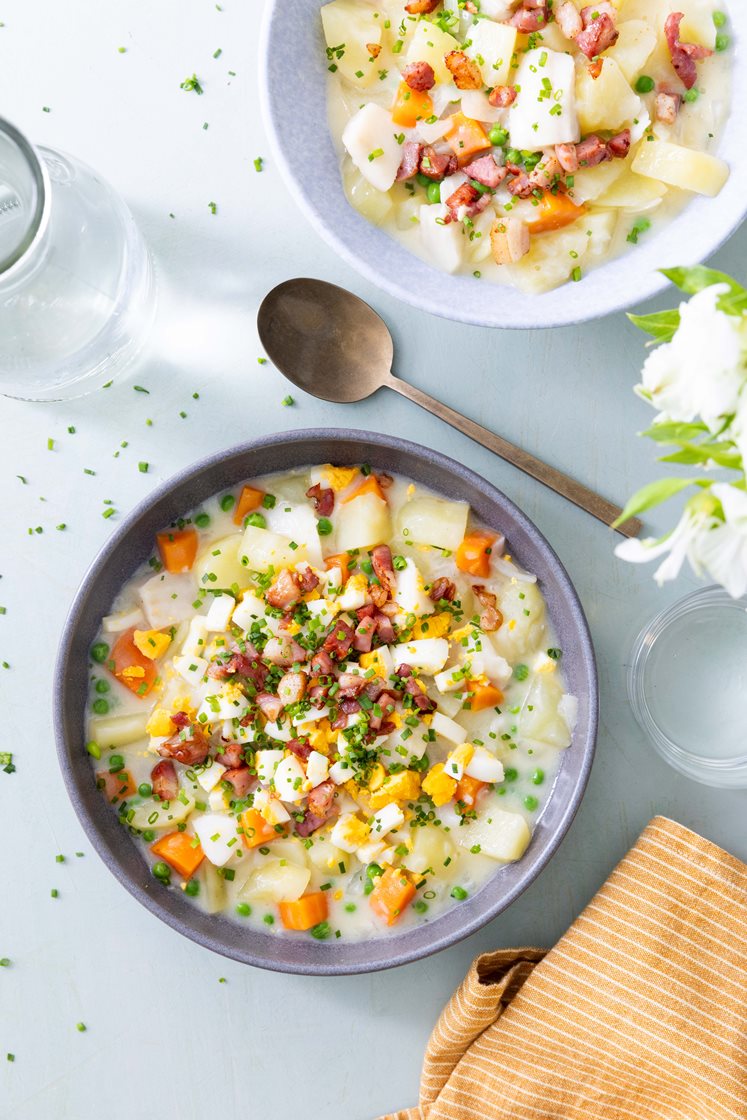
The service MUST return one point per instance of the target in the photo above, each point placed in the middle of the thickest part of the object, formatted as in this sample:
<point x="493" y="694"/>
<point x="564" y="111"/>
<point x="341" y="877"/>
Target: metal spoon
<point x="334" y="346"/>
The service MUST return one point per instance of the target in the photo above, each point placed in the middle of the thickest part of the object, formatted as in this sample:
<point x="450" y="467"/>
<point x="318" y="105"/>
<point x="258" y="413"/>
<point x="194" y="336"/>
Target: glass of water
<point x="687" y="685"/>
<point x="77" y="291"/>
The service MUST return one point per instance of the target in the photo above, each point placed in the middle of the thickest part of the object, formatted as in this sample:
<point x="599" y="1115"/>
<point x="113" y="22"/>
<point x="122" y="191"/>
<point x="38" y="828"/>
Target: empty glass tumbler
<point x="77" y="292"/>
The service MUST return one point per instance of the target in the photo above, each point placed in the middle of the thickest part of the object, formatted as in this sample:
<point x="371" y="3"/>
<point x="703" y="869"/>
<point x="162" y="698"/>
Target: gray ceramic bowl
<point x="292" y="44"/>
<point x="132" y="543"/>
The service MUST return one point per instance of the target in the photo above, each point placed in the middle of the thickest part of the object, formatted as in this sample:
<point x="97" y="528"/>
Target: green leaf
<point x="674" y="432"/>
<point x="653" y="494"/>
<point x="721" y="454"/>
<point x="662" y="324"/>
<point x="693" y="280"/>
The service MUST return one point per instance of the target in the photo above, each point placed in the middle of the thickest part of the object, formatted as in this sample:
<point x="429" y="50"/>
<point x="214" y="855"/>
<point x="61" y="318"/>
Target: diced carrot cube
<point x="116" y="787"/>
<point x="179" y="850"/>
<point x="178" y="548"/>
<point x="339" y="560"/>
<point x="482" y="696"/>
<point x="466" y="137"/>
<point x="369" y="485"/>
<point x="410" y="106"/>
<point x="473" y="554"/>
<point x="553" y="211"/>
<point x="257" y="830"/>
<point x="306" y="912"/>
<point x="129" y="666"/>
<point x="249" y="500"/>
<point x="467" y="791"/>
<point x="393" y="893"/>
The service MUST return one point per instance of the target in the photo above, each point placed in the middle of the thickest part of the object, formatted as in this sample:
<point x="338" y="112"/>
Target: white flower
<point x="701" y="371"/>
<point x="738" y="429"/>
<point x="723" y="550"/>
<point x="683" y="543"/>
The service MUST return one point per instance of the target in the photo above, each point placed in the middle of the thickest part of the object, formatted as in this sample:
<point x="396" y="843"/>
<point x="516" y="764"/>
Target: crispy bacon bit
<point x="374" y="49"/>
<point x="384" y="628"/>
<point x="384" y="480"/>
<point x="242" y="780"/>
<point x="351" y="684"/>
<point x="464" y="70"/>
<point x="180" y="719"/>
<point x="491" y="618"/>
<point x="546" y="173"/>
<point x="595" y="67"/>
<point x="364" y="633"/>
<point x="619" y="146"/>
<point x="284" y="592"/>
<point x="591" y="151"/>
<point x="509" y="240"/>
<point x="307" y="578"/>
<point x="486" y="171"/>
<point x="567" y="157"/>
<point x="435" y="165"/>
<point x="323" y="499"/>
<point x="422" y="702"/>
<point x="597" y="36"/>
<point x="403" y="671"/>
<point x="381" y="558"/>
<point x="189" y="746"/>
<point x="531" y="16"/>
<point x="592" y="12"/>
<point x="410" y="160"/>
<point x="301" y="748"/>
<point x="349" y="706"/>
<point x="568" y="19"/>
<point x="386" y="702"/>
<point x="419" y="76"/>
<point x="321" y="808"/>
<point x="231" y="756"/>
<point x="667" y="106"/>
<point x="284" y="652"/>
<point x="322" y="664"/>
<point x="292" y="687"/>
<point x="339" y="640"/>
<point x="502" y="96"/>
<point x="684" y="55"/>
<point x="442" y="589"/>
<point x="269" y="705"/>
<point x="164" y="780"/>
<point x="317" y="694"/>
<point x="379" y="595"/>
<point x="466" y="196"/>
<point x="519" y="185"/>
<point x="421" y="7"/>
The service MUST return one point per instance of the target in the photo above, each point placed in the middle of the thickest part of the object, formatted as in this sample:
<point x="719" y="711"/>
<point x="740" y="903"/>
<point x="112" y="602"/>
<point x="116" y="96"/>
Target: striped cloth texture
<point x="638" y="1013"/>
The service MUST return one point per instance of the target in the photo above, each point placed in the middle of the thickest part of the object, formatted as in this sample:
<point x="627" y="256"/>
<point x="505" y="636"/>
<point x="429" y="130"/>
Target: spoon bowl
<point x="332" y="345"/>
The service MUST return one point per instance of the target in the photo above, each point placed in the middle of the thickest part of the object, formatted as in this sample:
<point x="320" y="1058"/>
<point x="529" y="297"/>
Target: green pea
<point x="321" y="931"/>
<point x="161" y="871"/>
<point x="644" y="84"/>
<point x="513" y="155"/>
<point x="149" y="835"/>
<point x="269" y="501"/>
<point x="99" y="652"/>
<point x="257" y="520"/>
<point x="691" y="95"/>
<point x="531" y="159"/>
<point x="719" y="19"/>
<point x="722" y="41"/>
<point x="460" y="893"/>
<point x="100" y="706"/>
<point x="521" y="672"/>
<point x="202" y="520"/>
<point x="423" y="179"/>
<point x="324" y="526"/>
<point x="93" y="749"/>
<point x="269" y="920"/>
<point x="420" y="906"/>
<point x="102" y="686"/>
<point x="530" y="802"/>
<point x="145" y="789"/>
<point x="373" y="871"/>
<point x="192" y="888"/>
<point x="116" y="763"/>
<point x="227" y="502"/>
<point x="498" y="135"/>
<point x="433" y="191"/>
<point x="510" y="774"/>
<point x="538" y="777"/>
<point x="244" y="909"/>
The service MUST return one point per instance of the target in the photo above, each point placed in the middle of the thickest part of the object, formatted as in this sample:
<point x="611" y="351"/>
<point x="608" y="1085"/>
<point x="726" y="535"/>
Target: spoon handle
<point x="561" y="483"/>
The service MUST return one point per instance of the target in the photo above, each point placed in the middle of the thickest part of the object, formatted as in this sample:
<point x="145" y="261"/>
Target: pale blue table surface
<point x="165" y="1038"/>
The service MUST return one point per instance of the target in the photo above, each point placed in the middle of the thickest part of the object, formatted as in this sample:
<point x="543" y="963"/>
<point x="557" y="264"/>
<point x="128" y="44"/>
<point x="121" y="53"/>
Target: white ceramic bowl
<point x="293" y="77"/>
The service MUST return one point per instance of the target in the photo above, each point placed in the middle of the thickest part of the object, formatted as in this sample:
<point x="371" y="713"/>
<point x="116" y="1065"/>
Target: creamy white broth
<point x="441" y="847"/>
<point x="621" y="206"/>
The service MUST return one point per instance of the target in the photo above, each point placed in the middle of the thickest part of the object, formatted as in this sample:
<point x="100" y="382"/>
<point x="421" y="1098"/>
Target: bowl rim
<point x="205" y="932"/>
<point x="457" y="296"/>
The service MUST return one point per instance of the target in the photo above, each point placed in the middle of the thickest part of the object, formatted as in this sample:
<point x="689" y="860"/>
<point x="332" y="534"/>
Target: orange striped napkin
<point x="638" y="1013"/>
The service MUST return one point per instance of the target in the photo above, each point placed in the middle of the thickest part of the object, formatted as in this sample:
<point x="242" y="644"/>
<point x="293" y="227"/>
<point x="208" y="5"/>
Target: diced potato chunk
<point x="264" y="549"/>
<point x="152" y="813"/>
<point x="352" y="26"/>
<point x="372" y="204"/>
<point x="362" y="523"/>
<point x="681" y="167"/>
<point x="523" y="610"/>
<point x="433" y="521"/>
<point x="606" y="102"/>
<point x="443" y="243"/>
<point x="501" y="835"/>
<point x="118" y="731"/>
<point x="369" y="138"/>
<point x="492" y="46"/>
<point x="276" y="881"/>
<point x="221" y="560"/>
<point x="430" y="44"/>
<point x="540" y="718"/>
<point x="553" y="256"/>
<point x="534" y="120"/>
<point x="633" y="192"/>
<point x="431" y="849"/>
<point x="591" y="182"/>
<point x="633" y="48"/>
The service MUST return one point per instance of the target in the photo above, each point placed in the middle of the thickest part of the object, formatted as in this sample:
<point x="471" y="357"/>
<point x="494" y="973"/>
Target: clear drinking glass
<point x="77" y="291"/>
<point x="687" y="685"/>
